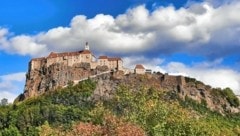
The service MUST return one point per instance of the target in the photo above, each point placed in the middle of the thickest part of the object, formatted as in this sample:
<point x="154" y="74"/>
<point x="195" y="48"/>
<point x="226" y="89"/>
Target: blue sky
<point x="197" y="38"/>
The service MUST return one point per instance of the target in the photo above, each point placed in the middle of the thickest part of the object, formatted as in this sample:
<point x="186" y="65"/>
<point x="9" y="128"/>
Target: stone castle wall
<point x="70" y="60"/>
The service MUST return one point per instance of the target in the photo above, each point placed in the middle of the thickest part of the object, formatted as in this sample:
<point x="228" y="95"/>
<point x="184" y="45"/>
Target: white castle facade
<point x="84" y="56"/>
<point x="70" y="58"/>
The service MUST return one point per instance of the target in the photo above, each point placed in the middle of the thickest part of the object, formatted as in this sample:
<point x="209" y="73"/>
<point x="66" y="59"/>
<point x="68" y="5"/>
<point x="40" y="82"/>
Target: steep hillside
<point x="175" y="87"/>
<point x="114" y="104"/>
<point x="57" y="76"/>
<point x="46" y="75"/>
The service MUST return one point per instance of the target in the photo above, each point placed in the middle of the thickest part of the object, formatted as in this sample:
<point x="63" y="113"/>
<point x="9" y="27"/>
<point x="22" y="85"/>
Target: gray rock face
<point x="41" y="80"/>
<point x="107" y="85"/>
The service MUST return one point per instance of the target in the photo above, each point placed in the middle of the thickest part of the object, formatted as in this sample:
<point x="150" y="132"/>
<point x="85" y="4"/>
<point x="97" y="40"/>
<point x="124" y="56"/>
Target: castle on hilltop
<point x="59" y="69"/>
<point x="71" y="58"/>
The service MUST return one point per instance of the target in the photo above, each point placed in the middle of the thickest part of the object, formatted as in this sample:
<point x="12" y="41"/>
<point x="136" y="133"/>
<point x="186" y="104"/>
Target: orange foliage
<point x="128" y="129"/>
<point x="116" y="126"/>
<point x="87" y="129"/>
<point x="111" y="126"/>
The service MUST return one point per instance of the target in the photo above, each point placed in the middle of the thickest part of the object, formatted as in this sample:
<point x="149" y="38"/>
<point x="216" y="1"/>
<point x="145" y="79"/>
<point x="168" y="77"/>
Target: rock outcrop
<point x="175" y="87"/>
<point x="49" y="78"/>
<point x="39" y="81"/>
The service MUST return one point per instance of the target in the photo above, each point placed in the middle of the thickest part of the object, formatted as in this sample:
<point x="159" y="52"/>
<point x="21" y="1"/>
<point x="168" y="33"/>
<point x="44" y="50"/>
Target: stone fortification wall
<point x="169" y="80"/>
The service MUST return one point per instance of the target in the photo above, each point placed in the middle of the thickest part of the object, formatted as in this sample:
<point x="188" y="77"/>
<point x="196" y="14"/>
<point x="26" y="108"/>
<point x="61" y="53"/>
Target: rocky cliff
<point x="39" y="81"/>
<point x="174" y="88"/>
<point x="57" y="75"/>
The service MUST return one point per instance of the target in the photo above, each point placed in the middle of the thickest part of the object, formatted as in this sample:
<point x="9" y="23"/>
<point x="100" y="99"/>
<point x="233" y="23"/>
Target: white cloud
<point x="3" y="40"/>
<point x="154" y="63"/>
<point x="197" y="28"/>
<point x="8" y="95"/>
<point x="218" y="3"/>
<point x="22" y="44"/>
<point x="131" y="61"/>
<point x="11" y="85"/>
<point x="3" y="32"/>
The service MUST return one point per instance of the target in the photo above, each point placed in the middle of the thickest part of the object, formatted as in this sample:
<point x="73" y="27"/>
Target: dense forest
<point x="72" y="111"/>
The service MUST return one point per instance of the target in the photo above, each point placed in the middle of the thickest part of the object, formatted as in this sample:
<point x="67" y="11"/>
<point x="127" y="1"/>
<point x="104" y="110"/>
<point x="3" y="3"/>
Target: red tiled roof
<point x="54" y="55"/>
<point x="114" y="59"/>
<point x="139" y="66"/>
<point x="36" y="59"/>
<point x="103" y="57"/>
<point x="85" y="52"/>
<point x="109" y="59"/>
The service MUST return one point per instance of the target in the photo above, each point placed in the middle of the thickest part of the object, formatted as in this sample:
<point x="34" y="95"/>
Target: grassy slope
<point x="70" y="111"/>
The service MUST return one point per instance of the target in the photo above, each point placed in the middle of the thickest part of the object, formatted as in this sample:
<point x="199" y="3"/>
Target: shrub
<point x="231" y="97"/>
<point x="188" y="79"/>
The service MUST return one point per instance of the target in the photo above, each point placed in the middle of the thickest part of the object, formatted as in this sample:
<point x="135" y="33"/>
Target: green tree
<point x="231" y="97"/>
<point x="45" y="130"/>
<point x="11" y="131"/>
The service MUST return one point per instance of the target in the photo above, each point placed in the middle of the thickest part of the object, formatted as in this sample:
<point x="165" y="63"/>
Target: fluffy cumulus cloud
<point x="11" y="85"/>
<point x="153" y="63"/>
<point x="211" y="73"/>
<point x="201" y="28"/>
<point x="22" y="44"/>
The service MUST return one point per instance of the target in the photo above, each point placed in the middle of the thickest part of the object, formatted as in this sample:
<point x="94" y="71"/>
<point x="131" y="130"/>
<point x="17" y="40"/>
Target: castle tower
<point x="87" y="46"/>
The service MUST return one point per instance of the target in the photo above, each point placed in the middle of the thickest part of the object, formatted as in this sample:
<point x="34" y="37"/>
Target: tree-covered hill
<point x="73" y="111"/>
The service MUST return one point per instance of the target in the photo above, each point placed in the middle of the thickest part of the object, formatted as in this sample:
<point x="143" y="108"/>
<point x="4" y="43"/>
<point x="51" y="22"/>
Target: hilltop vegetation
<point x="72" y="111"/>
